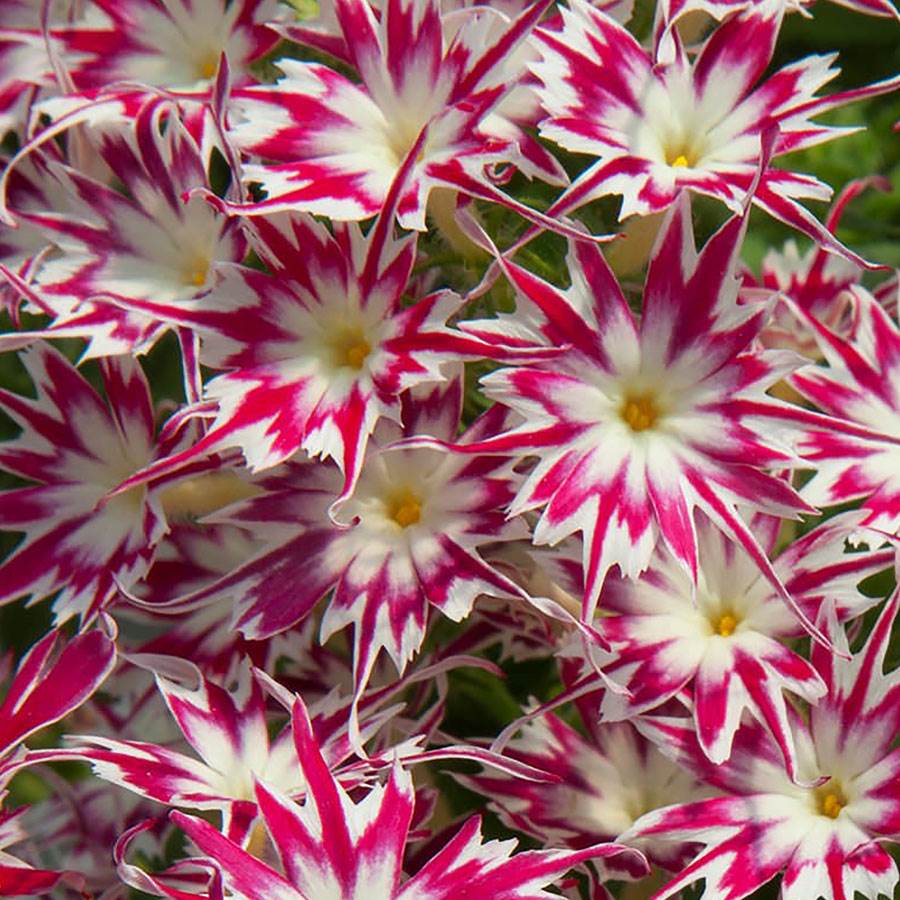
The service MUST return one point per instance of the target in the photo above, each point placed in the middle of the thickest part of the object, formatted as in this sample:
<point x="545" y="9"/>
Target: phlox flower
<point x="50" y="682"/>
<point x="228" y="731"/>
<point x="190" y="557"/>
<point x="825" y="836"/>
<point x="24" y="68"/>
<point x="137" y="241"/>
<point x="318" y="351"/>
<point x="518" y="107"/>
<point x="34" y="48"/>
<point x="637" y="425"/>
<point x="333" y="147"/>
<point x="29" y="186"/>
<point x="175" y="44"/>
<point x="670" y="11"/>
<point x="656" y="126"/>
<point x="77" y="447"/>
<point x="815" y="280"/>
<point x="607" y="781"/>
<point x="337" y="848"/>
<point x="726" y="637"/>
<point x="860" y="386"/>
<point x="408" y="538"/>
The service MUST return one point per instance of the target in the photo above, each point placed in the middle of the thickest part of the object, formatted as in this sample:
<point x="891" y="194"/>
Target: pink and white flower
<point x="860" y="386"/>
<point x="413" y="527"/>
<point x="333" y="147"/>
<point x="657" y="125"/>
<point x="320" y="350"/>
<point x="228" y="730"/>
<point x="78" y="447"/>
<point x="176" y="44"/>
<point x="636" y="426"/>
<point x="608" y="780"/>
<point x="114" y="247"/>
<point x="191" y="556"/>
<point x="51" y="682"/>
<point x="335" y="848"/>
<point x="827" y="836"/>
<point x="668" y="12"/>
<point x="816" y="281"/>
<point x="725" y="636"/>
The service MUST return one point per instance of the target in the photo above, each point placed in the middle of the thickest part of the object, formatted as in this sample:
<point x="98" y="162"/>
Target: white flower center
<point x="208" y="65"/>
<point x="402" y="135"/>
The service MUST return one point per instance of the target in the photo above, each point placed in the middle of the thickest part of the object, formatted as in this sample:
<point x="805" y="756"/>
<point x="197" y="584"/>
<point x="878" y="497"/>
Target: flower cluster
<point x="400" y="428"/>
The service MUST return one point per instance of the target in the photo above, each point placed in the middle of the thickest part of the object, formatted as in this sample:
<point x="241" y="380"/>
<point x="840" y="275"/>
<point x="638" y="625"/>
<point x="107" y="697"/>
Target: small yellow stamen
<point x="831" y="806"/>
<point x="349" y="347"/>
<point x="357" y="353"/>
<point x="209" y="67"/>
<point x="726" y="625"/>
<point x="405" y="509"/>
<point x="640" y="413"/>
<point x="680" y="162"/>
<point x="830" y="799"/>
<point x="197" y="272"/>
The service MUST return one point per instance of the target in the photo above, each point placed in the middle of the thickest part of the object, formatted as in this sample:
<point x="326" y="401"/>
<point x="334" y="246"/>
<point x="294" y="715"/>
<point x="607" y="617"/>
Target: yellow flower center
<point x="405" y="508"/>
<point x="350" y="349"/>
<point x="197" y="273"/>
<point x="208" y="66"/>
<point x="726" y="625"/>
<point x="831" y="799"/>
<point x="640" y="412"/>
<point x="681" y="157"/>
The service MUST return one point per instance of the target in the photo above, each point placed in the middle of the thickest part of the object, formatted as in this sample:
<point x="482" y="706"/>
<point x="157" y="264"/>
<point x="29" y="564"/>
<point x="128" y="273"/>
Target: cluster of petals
<point x="393" y="430"/>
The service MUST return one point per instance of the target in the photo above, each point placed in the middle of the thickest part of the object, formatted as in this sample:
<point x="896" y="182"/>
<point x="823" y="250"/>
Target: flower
<point x="335" y="147"/>
<point x="860" y="386"/>
<point x="408" y="538"/>
<point x="228" y="730"/>
<point x="725" y="636"/>
<point x="140" y="242"/>
<point x="607" y="781"/>
<point x="657" y="125"/>
<point x="815" y="280"/>
<point x="177" y="44"/>
<point x="335" y="848"/>
<point x="637" y="425"/>
<point x="49" y="683"/>
<point x="319" y="351"/>
<point x="824" y="833"/>
<point x="78" y="447"/>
